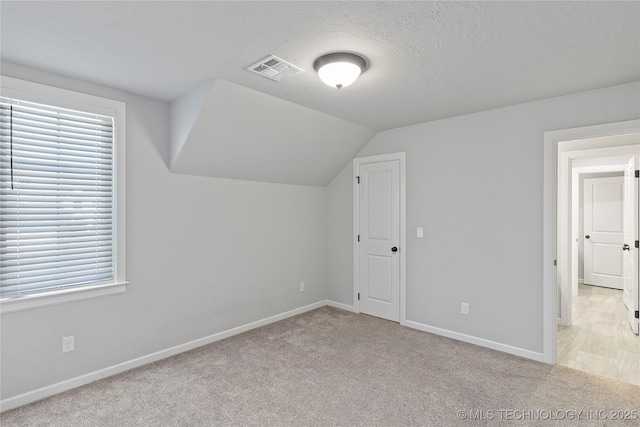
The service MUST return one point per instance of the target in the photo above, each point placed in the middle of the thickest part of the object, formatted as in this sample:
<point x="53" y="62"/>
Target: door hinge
<point x="637" y="244"/>
<point x="358" y="178"/>
<point x="638" y="174"/>
<point x="358" y="237"/>
<point x="637" y="312"/>
<point x="555" y="262"/>
<point x="358" y="296"/>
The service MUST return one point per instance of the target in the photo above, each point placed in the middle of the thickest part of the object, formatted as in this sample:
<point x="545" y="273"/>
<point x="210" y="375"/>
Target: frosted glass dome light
<point x="340" y="69"/>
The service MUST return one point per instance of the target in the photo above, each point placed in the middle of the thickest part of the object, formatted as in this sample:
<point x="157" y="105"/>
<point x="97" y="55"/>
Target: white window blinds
<point x="56" y="198"/>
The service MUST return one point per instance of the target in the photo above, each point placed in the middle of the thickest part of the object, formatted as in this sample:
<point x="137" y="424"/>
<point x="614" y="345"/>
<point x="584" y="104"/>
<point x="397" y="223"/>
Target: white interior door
<point x="379" y="239"/>
<point x="631" y="199"/>
<point x="604" y="232"/>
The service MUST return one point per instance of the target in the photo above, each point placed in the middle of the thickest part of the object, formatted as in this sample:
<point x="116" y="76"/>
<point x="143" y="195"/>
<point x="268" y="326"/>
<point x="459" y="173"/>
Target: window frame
<point x="43" y="94"/>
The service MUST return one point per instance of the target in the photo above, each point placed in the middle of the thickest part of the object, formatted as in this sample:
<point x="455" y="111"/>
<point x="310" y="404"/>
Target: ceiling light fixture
<point x="340" y="69"/>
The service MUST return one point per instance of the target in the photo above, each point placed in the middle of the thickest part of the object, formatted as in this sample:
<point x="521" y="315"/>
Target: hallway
<point x="600" y="341"/>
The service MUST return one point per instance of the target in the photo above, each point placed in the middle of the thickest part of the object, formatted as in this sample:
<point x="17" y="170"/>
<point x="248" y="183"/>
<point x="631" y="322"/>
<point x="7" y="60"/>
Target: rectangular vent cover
<point x="275" y="68"/>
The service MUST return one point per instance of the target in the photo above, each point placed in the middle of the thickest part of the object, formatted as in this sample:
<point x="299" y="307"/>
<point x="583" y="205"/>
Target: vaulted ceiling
<point x="428" y="60"/>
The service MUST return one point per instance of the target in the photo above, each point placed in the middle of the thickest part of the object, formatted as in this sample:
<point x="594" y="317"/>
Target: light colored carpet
<point x="329" y="367"/>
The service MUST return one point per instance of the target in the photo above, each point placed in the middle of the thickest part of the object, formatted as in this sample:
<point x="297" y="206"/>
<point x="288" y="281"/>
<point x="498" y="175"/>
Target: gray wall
<point x="203" y="255"/>
<point x="206" y="254"/>
<point x="340" y="235"/>
<point x="474" y="182"/>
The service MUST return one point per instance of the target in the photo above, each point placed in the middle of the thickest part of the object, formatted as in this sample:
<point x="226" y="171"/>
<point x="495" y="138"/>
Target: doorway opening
<point x="570" y="156"/>
<point x="598" y="337"/>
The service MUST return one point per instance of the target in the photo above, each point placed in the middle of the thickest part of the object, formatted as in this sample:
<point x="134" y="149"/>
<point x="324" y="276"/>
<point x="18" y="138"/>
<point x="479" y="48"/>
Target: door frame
<point x="592" y="166"/>
<point x="567" y="217"/>
<point x="556" y="236"/>
<point x="401" y="157"/>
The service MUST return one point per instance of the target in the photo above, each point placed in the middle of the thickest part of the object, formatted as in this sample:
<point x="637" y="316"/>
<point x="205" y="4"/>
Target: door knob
<point x="587" y="237"/>
<point x="625" y="247"/>
<point x="394" y="249"/>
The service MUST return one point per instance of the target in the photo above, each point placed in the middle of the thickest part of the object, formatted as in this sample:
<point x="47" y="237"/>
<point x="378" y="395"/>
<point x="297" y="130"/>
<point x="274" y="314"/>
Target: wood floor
<point x="600" y="341"/>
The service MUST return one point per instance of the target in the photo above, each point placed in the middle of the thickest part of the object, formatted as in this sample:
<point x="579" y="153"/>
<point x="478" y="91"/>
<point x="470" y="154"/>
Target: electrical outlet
<point x="68" y="344"/>
<point x="301" y="286"/>
<point x="464" y="308"/>
<point x="420" y="232"/>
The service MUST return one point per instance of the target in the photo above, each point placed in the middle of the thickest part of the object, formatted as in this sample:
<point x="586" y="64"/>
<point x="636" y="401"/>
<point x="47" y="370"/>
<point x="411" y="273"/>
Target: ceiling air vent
<point x="275" y="68"/>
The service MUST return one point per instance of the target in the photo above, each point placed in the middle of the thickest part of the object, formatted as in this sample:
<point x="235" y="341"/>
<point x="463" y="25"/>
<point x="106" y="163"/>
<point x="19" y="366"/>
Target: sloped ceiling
<point x="226" y="130"/>
<point x="428" y="60"/>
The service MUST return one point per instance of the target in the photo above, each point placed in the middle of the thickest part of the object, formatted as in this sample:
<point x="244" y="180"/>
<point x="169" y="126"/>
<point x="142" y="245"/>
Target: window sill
<point x="12" y="304"/>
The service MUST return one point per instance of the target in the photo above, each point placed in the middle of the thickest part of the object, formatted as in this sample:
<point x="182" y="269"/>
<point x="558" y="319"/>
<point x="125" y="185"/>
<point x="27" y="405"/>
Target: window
<point x="61" y="196"/>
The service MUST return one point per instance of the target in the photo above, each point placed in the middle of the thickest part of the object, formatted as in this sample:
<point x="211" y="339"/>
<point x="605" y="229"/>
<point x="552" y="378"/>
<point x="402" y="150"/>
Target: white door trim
<point x="556" y="142"/>
<point x="403" y="228"/>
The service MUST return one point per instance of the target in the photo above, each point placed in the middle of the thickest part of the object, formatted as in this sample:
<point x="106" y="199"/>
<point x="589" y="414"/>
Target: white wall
<point x="340" y="235"/>
<point x="203" y="255"/>
<point x="475" y="183"/>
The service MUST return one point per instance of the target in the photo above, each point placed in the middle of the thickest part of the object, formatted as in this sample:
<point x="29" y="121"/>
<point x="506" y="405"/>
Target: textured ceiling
<point x="428" y="59"/>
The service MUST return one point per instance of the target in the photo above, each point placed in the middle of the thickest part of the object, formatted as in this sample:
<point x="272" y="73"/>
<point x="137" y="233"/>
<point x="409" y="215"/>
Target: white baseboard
<point x="41" y="393"/>
<point x="457" y="336"/>
<point x="341" y="306"/>
<point x="477" y="341"/>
